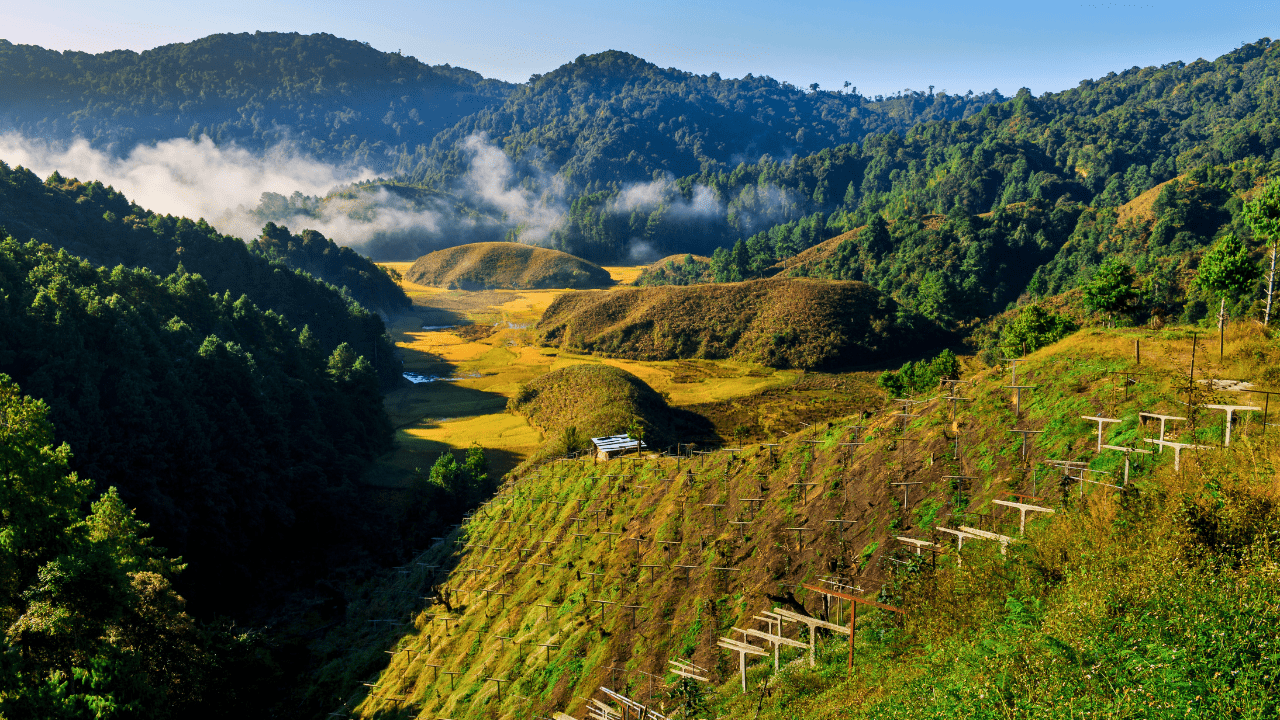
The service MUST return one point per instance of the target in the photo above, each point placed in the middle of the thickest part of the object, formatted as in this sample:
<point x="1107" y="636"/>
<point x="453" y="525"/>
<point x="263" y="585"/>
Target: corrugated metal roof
<point x="618" y="442"/>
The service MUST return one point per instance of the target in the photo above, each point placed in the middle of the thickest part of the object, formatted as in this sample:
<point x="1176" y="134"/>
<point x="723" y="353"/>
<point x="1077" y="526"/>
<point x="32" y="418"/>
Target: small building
<point x="615" y="445"/>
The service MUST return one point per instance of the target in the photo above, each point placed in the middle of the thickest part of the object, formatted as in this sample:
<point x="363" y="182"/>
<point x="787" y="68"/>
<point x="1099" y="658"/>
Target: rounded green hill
<point x="505" y="265"/>
<point x="599" y="400"/>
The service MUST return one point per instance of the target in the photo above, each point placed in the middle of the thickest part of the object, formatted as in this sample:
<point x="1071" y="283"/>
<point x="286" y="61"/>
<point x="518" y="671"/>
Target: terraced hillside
<point x="779" y="322"/>
<point x="579" y="576"/>
<point x="505" y="265"/>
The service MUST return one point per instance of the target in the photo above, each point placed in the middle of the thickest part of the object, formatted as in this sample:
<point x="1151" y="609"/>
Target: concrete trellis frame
<point x="1023" y="509"/>
<point x="1100" y="421"/>
<point x="799" y="531"/>
<point x="1127" y="452"/>
<point x="1142" y="416"/>
<point x="1004" y="540"/>
<point x="841" y="523"/>
<point x="906" y="491"/>
<point x="811" y="622"/>
<point x="776" y="641"/>
<point x="743" y="649"/>
<point x="1024" y="434"/>
<point x="688" y="670"/>
<point x="1230" y="410"/>
<point x="1177" y="449"/>
<point x="1017" y="397"/>
<point x="806" y="485"/>
<point x="919" y="544"/>
<point x="961" y="535"/>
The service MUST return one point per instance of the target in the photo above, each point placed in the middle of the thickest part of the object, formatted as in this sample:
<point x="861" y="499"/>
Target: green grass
<point x="1122" y="604"/>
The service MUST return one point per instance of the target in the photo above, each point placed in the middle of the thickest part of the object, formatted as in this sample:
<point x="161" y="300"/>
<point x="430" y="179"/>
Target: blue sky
<point x="879" y="47"/>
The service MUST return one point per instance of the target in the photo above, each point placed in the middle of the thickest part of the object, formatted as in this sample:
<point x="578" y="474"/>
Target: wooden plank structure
<point x="853" y="616"/>
<point x="612" y="446"/>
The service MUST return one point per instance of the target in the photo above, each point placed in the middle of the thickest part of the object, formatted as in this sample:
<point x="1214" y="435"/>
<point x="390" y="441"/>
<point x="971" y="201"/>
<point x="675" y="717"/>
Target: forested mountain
<point x="339" y="99"/>
<point x="97" y="223"/>
<point x="612" y="117"/>
<point x="1070" y="157"/>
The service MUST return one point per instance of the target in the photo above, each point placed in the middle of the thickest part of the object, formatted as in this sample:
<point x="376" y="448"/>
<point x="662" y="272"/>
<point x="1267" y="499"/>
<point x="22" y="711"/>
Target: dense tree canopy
<point x="97" y="223"/>
<point x="227" y="429"/>
<point x="336" y="98"/>
<point x="93" y="626"/>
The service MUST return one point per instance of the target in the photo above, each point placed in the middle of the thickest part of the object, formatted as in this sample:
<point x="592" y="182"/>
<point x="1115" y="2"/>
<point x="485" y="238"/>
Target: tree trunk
<point x="1222" y="313"/>
<point x="1271" y="281"/>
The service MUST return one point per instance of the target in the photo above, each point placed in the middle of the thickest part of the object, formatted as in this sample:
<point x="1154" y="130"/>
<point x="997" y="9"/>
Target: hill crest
<point x="506" y="265"/>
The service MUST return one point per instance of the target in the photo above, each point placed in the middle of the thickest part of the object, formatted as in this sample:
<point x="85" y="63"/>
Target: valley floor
<point x="471" y="351"/>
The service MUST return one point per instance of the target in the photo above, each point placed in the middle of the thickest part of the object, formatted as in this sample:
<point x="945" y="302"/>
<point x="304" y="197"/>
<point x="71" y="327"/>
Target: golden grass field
<point x="492" y="356"/>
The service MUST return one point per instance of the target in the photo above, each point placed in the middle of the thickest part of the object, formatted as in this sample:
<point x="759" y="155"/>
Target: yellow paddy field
<point x="481" y="360"/>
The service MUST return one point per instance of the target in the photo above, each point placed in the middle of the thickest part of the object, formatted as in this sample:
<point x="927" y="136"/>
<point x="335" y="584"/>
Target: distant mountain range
<point x="614" y="159"/>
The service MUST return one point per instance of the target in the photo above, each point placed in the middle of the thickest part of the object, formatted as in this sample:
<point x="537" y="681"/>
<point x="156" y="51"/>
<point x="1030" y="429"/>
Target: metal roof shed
<point x="615" y="445"/>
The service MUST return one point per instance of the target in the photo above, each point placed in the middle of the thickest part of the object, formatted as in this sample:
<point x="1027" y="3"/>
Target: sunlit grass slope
<point x="1155" y="600"/>
<point x="778" y="322"/>
<point x="480" y="266"/>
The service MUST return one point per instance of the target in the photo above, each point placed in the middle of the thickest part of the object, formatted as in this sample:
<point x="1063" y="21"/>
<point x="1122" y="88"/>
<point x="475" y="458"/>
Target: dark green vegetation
<point x="236" y="437"/>
<point x="102" y="226"/>
<point x="336" y="98"/>
<point x="313" y="253"/>
<point x="920" y="377"/>
<point x="93" y="625"/>
<point x="684" y="269"/>
<point x="576" y="403"/>
<point x="484" y="266"/>
<point x="614" y="118"/>
<point x="779" y="322"/>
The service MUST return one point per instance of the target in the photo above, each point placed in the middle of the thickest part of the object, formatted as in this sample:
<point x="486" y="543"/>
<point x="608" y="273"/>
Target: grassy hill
<point x="777" y="322"/>
<point x="1143" y="600"/>
<point x="598" y="400"/>
<point x="513" y="266"/>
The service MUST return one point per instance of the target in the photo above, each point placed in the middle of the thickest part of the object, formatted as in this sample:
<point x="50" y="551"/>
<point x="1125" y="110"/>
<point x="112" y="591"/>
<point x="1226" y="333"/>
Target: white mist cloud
<point x="493" y="180"/>
<point x="647" y="196"/>
<point x="195" y="179"/>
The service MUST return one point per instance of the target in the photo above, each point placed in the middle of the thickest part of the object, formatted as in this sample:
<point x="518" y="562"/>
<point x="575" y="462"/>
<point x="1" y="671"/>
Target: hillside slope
<point x="507" y="265"/>
<point x="626" y="565"/>
<point x="777" y="322"/>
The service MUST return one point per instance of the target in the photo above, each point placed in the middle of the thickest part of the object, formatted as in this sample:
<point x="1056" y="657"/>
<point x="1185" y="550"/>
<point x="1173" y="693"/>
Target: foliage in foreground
<point x="93" y="626"/>
<point x="1160" y="601"/>
<point x="234" y="435"/>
